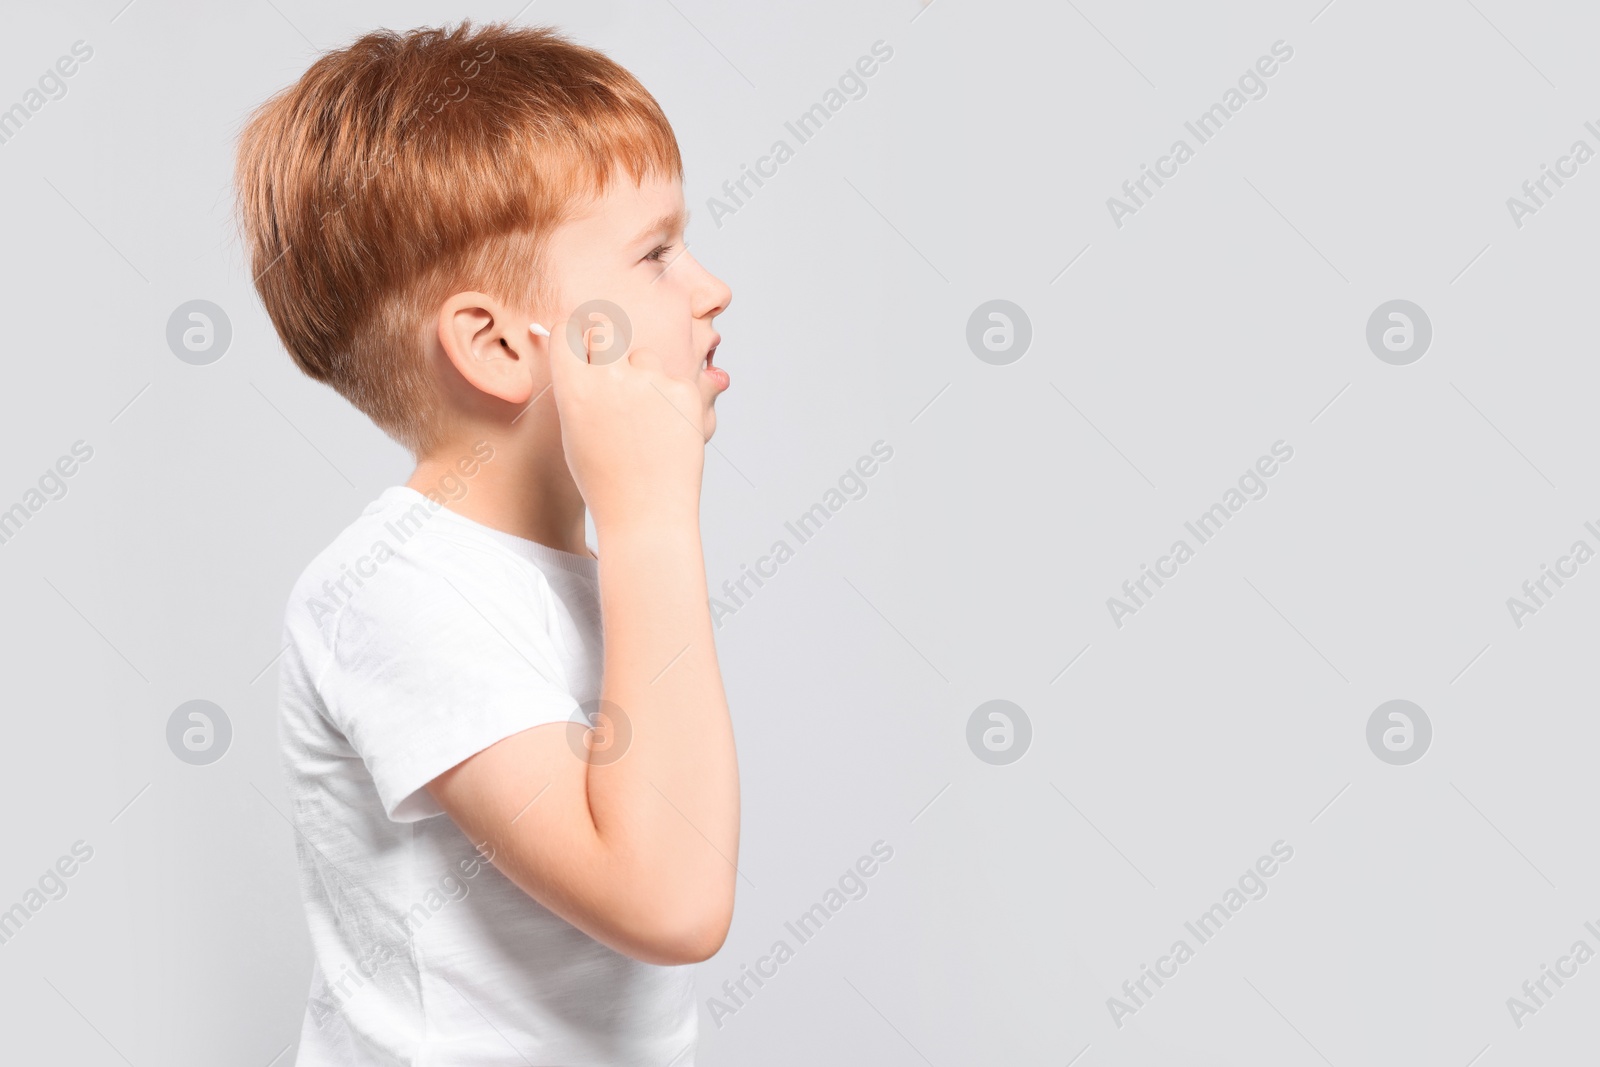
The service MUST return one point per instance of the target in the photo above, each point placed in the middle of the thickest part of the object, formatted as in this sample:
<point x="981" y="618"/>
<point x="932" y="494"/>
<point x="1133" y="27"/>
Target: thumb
<point x="646" y="359"/>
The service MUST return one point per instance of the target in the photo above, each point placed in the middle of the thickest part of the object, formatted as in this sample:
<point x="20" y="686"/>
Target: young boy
<point x="512" y="835"/>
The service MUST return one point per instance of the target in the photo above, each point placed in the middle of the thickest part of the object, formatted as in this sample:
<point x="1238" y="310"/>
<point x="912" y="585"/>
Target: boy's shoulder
<point x="401" y="545"/>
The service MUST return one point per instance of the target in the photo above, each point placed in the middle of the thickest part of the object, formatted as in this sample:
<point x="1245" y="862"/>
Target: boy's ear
<point x="482" y="341"/>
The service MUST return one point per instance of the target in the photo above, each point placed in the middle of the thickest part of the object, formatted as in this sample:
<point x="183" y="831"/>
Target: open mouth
<point x="709" y="367"/>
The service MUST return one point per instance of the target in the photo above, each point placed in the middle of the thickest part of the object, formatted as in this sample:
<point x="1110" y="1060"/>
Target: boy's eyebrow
<point x="670" y="223"/>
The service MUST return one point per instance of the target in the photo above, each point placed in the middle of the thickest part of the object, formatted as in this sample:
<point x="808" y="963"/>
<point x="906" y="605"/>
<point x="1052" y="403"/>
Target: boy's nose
<point x="714" y="295"/>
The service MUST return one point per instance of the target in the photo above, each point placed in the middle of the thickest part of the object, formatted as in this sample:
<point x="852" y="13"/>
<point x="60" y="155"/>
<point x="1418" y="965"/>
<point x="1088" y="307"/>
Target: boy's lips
<point x="718" y="376"/>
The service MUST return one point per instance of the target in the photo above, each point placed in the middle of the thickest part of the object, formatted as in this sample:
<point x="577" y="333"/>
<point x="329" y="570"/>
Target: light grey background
<point x="1230" y="312"/>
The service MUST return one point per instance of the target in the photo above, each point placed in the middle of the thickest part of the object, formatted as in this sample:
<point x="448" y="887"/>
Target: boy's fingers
<point x="552" y="341"/>
<point x="564" y="362"/>
<point x="566" y="365"/>
<point x="597" y="333"/>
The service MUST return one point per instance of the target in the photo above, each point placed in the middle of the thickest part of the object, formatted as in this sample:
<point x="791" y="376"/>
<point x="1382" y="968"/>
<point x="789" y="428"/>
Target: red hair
<point x="409" y="166"/>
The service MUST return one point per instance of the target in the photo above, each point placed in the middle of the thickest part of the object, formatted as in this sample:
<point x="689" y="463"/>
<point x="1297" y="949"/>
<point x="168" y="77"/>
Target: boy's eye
<point x="659" y="253"/>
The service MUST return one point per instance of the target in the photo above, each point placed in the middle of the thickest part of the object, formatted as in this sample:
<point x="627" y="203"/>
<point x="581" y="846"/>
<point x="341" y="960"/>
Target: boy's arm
<point x="636" y="850"/>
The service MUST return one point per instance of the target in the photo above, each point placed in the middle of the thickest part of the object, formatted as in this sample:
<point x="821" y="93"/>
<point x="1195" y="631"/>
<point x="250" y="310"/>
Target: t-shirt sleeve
<point x="437" y="658"/>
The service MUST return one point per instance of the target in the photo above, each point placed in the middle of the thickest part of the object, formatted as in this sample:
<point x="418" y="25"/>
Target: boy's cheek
<point x="677" y="359"/>
<point x="663" y="323"/>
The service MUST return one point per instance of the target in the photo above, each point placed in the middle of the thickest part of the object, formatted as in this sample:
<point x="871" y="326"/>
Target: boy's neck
<point x="524" y="495"/>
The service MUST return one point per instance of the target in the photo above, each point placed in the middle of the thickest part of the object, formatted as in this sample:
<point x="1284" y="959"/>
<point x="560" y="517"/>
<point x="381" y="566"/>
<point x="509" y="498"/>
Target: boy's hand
<point x="632" y="435"/>
<point x="637" y="850"/>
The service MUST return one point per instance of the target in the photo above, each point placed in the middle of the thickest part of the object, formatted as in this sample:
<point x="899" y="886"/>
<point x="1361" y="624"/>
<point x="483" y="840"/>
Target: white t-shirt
<point x="416" y="639"/>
